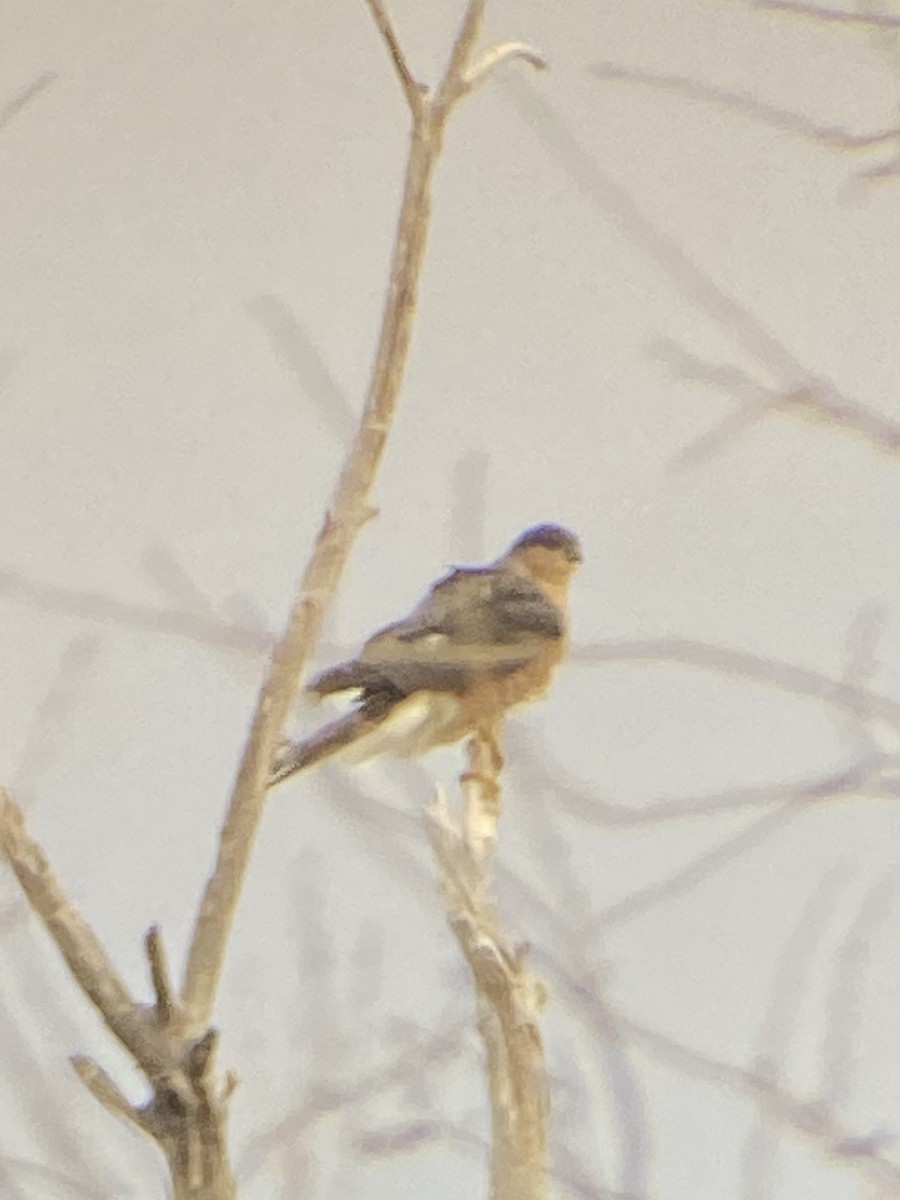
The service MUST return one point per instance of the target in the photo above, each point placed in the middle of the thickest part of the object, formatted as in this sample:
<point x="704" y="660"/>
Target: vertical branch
<point x="348" y="511"/>
<point x="508" y="998"/>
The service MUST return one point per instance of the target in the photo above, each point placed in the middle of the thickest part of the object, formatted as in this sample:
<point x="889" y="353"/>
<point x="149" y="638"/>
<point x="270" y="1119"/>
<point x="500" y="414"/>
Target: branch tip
<point x="414" y="91"/>
<point x="102" y="1088"/>
<point x="159" y="974"/>
<point x="500" y="54"/>
<point x="199" y="1058"/>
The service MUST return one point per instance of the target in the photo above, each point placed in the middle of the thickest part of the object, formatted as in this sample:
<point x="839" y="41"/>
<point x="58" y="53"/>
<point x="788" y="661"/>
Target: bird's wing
<point x="487" y="606"/>
<point x="479" y="622"/>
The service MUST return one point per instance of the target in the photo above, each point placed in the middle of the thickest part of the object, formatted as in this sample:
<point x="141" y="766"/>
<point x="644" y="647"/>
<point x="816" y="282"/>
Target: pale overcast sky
<point x="198" y="209"/>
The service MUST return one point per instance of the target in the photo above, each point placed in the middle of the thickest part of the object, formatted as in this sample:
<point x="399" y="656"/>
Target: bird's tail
<point x="328" y="740"/>
<point x="377" y="700"/>
<point x="332" y="738"/>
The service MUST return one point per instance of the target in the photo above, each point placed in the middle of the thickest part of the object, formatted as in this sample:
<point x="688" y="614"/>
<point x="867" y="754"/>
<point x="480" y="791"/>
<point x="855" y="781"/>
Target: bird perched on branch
<point x="482" y="640"/>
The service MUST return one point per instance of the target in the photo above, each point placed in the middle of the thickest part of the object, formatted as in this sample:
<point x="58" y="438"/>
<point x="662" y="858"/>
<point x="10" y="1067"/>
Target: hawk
<point x="480" y="642"/>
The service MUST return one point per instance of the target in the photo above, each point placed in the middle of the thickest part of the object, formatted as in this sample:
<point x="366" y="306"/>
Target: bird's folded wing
<point x="477" y="622"/>
<point x="475" y="626"/>
<point x="486" y="604"/>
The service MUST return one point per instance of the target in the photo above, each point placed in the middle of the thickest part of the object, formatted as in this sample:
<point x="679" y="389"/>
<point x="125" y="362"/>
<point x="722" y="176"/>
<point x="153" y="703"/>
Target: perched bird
<point x="481" y="641"/>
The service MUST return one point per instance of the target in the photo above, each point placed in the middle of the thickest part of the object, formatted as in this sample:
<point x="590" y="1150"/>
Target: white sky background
<point x="199" y="176"/>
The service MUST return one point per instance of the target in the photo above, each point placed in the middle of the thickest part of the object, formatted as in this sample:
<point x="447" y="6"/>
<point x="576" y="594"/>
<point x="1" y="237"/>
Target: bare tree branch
<point x="503" y="53"/>
<point x="816" y="400"/>
<point x="748" y="105"/>
<point x="508" y="997"/>
<point x="54" y="712"/>
<point x="171" y="1042"/>
<point x="92" y="606"/>
<point x="793" y="386"/>
<point x="800" y="681"/>
<point x="348" y="511"/>
<point x="413" y="91"/>
<point x="102" y="1088"/>
<point x="159" y="974"/>
<point x="869" y="20"/>
<point x="689" y="277"/>
<point x="294" y="344"/>
<point x="812" y="1122"/>
<point x="13" y="107"/>
<point x="188" y="1110"/>
<point x="845" y="1017"/>
<point x="453" y="84"/>
<point x="78" y="944"/>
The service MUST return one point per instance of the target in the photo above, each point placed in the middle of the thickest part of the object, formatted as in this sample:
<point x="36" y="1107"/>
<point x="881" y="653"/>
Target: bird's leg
<point x="490" y="736"/>
<point x="485" y="756"/>
<point x="485" y="762"/>
<point x="482" y="791"/>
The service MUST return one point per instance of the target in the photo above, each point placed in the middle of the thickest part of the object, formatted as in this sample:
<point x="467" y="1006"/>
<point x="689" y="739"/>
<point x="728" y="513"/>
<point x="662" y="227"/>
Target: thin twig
<point x="840" y="16"/>
<point x="13" y="107"/>
<point x="747" y="104"/>
<point x="817" y="400"/>
<point x="295" y="346"/>
<point x="798" y="388"/>
<point x="500" y="54"/>
<point x="50" y="723"/>
<point x="412" y="90"/>
<point x="187" y="1109"/>
<point x="698" y="287"/>
<point x="700" y="868"/>
<point x="102" y="1088"/>
<point x="845" y="1006"/>
<point x="213" y="632"/>
<point x="159" y="973"/>
<point x="814" y="1123"/>
<point x="787" y="677"/>
<point x="453" y="85"/>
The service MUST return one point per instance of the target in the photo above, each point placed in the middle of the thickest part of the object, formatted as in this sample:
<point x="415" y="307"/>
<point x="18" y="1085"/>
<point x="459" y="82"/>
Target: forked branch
<point x="347" y="513"/>
<point x="171" y="1040"/>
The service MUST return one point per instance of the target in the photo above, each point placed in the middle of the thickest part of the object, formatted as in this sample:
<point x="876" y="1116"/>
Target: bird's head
<point x="547" y="554"/>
